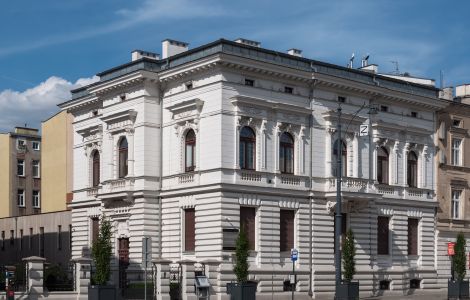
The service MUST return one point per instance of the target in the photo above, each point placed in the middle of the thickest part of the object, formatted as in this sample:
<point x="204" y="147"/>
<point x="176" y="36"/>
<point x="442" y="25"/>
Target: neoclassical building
<point x="189" y="147"/>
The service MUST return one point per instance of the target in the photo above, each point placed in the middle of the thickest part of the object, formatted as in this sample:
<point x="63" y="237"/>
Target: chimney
<point x="372" y="68"/>
<point x="295" y="52"/>
<point x="138" y="54"/>
<point x="172" y="47"/>
<point x="248" y="42"/>
<point x="462" y="93"/>
<point x="446" y="93"/>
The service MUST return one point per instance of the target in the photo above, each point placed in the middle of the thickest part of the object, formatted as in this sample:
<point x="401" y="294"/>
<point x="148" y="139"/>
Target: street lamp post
<point x="338" y="216"/>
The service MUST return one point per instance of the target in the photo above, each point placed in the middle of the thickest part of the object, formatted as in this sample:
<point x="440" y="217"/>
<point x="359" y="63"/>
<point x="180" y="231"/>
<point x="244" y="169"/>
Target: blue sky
<point x="48" y="47"/>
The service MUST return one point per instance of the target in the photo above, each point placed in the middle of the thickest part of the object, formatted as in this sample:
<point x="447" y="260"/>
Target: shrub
<point x="241" y="253"/>
<point x="101" y="252"/>
<point x="460" y="259"/>
<point x="349" y="253"/>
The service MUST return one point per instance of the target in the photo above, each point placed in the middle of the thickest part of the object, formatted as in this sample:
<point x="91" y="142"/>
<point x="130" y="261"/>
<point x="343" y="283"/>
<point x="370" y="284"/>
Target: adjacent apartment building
<point x="20" y="179"/>
<point x="189" y="147"/>
<point x="453" y="173"/>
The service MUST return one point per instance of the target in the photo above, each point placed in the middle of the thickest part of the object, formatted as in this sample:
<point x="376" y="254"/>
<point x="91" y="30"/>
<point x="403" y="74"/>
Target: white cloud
<point x="37" y="103"/>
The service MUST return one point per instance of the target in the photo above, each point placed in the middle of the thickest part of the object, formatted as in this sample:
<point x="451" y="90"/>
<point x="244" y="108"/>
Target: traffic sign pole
<point x="294" y="255"/>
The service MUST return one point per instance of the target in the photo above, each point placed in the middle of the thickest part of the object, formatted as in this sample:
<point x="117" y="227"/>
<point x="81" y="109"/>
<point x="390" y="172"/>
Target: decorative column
<point x="111" y="158"/>
<point x="162" y="279"/>
<point x="211" y="270"/>
<point x="375" y="145"/>
<point x="82" y="276"/>
<point x="277" y="134"/>
<point x="130" y="158"/>
<point x="406" y="150"/>
<point x="424" y="166"/>
<point x="188" y="279"/>
<point x="35" y="267"/>
<point x="350" y="166"/>
<point x="396" y="162"/>
<point x="356" y="156"/>
<point x="262" y="137"/>
<point x="328" y="152"/>
<point x="301" y="152"/>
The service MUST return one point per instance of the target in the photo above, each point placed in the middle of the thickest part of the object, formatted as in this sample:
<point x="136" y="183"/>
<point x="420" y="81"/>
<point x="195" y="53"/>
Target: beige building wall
<point x="56" y="168"/>
<point x="5" y="167"/>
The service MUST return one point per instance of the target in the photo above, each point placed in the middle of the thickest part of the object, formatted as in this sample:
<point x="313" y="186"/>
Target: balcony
<point x="92" y="191"/>
<point x="350" y="184"/>
<point x="118" y="185"/>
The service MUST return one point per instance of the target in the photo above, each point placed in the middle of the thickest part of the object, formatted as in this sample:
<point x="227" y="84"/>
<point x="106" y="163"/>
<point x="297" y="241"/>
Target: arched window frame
<point x="95" y="159"/>
<point x="344" y="158"/>
<point x="286" y="161"/>
<point x="412" y="169"/>
<point x="190" y="144"/>
<point x="247" y="151"/>
<point x="383" y="163"/>
<point x="123" y="157"/>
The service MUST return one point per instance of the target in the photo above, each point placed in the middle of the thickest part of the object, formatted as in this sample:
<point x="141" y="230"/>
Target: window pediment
<point x="186" y="108"/>
<point x="332" y="117"/>
<point x="91" y="133"/>
<point x="120" y="120"/>
<point x="242" y="101"/>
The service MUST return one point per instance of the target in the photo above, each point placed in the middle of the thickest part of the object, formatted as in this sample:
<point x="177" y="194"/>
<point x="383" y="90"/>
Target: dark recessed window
<point x="383" y="233"/>
<point x="190" y="152"/>
<point x="249" y="82"/>
<point x="286" y="154"/>
<point x="94" y="113"/>
<point x="415" y="283"/>
<point x="123" y="147"/>
<point x="414" y="114"/>
<point x="189" y="85"/>
<point x="247" y="223"/>
<point x="384" y="284"/>
<point x="247" y="148"/>
<point x="382" y="165"/>
<point x="456" y="123"/>
<point x="95" y="168"/>
<point x="341" y="99"/>
<point x="412" y="179"/>
<point x="288" y="90"/>
<point x="189" y="229"/>
<point x="384" y="108"/>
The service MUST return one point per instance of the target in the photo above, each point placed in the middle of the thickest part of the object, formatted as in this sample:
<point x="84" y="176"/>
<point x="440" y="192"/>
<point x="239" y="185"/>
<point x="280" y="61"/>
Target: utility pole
<point x="338" y="216"/>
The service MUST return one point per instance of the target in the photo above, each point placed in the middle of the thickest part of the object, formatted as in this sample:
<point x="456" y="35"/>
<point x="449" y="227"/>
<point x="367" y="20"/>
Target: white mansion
<point x="188" y="147"/>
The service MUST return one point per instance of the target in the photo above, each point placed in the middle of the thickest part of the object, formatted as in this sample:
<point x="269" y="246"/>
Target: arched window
<point x="382" y="165"/>
<point x="344" y="158"/>
<point x="247" y="148"/>
<point x="412" y="169"/>
<point x="190" y="150"/>
<point x="286" y="154"/>
<point x="123" y="149"/>
<point x="95" y="168"/>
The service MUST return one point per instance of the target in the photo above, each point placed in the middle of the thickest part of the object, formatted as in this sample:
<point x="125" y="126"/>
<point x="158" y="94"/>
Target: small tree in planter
<point x="459" y="287"/>
<point x="242" y="290"/>
<point x="101" y="252"/>
<point x="348" y="289"/>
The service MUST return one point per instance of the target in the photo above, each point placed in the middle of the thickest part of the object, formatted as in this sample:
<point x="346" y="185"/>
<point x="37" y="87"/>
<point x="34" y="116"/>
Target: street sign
<point x="363" y="130"/>
<point x="146" y="252"/>
<point x="450" y="249"/>
<point x="294" y="254"/>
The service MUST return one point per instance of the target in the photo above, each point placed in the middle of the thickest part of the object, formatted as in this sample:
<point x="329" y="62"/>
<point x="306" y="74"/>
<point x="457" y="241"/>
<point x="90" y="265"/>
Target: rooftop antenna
<point x="397" y="70"/>
<point x="351" y="61"/>
<point x="441" y="79"/>
<point x="365" y="61"/>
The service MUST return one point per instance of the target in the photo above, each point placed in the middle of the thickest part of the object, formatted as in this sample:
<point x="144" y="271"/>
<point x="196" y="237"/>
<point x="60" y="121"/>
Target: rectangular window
<point x="59" y="237"/>
<point x="189" y="229"/>
<point x="20" y="198"/>
<point x="456" y="152"/>
<point x="383" y="233"/>
<point x="455" y="213"/>
<point x="249" y="82"/>
<point x="413" y="236"/>
<point x="30" y="239"/>
<point x="36" y="170"/>
<point x="456" y="123"/>
<point x="189" y="85"/>
<point x="36" y="199"/>
<point x="36" y="146"/>
<point x="286" y="232"/>
<point x="21" y="239"/>
<point x="247" y="222"/>
<point x="20" y="167"/>
<point x="70" y="237"/>
<point x="20" y="144"/>
<point x="288" y="90"/>
<point x="341" y="99"/>
<point x="3" y="240"/>
<point x="414" y="114"/>
<point x="95" y="229"/>
<point x="12" y="237"/>
<point x="41" y="241"/>
<point x="384" y="108"/>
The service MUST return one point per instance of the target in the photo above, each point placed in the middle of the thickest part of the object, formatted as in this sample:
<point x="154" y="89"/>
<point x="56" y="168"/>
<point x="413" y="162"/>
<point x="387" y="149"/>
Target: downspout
<point x="160" y="185"/>
<point x="310" y="288"/>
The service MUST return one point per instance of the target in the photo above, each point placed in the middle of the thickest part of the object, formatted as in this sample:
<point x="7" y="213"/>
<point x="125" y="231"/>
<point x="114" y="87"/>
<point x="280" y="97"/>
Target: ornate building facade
<point x="188" y="148"/>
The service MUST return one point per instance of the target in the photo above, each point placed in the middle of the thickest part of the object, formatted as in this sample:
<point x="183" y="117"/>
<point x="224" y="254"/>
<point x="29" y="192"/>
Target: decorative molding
<point x="187" y="202"/>
<point x="185" y="109"/>
<point x="385" y="211"/>
<point x="249" y="200"/>
<point x="120" y="121"/>
<point x="93" y="212"/>
<point x="415" y="213"/>
<point x="291" y="203"/>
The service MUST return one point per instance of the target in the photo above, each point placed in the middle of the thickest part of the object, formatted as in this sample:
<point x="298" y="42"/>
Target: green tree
<point x="460" y="259"/>
<point x="241" y="253"/>
<point x="349" y="252"/>
<point x="101" y="252"/>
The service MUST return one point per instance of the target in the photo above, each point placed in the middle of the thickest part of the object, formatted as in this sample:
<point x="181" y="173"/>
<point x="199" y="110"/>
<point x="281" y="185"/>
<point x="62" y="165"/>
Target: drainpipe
<point x="310" y="290"/>
<point x="160" y="101"/>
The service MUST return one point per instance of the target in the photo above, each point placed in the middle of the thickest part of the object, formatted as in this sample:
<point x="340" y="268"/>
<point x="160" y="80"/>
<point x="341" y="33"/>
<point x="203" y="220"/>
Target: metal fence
<point x="17" y="277"/>
<point x="135" y="285"/>
<point x="59" y="278"/>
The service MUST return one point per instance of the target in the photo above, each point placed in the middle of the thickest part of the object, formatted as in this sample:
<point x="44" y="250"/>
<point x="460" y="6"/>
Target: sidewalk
<point x="435" y="295"/>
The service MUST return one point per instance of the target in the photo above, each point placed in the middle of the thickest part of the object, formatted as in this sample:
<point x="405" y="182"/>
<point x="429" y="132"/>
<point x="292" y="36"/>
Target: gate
<point x="123" y="252"/>
<point x="59" y="278"/>
<point x="176" y="276"/>
<point x="135" y="286"/>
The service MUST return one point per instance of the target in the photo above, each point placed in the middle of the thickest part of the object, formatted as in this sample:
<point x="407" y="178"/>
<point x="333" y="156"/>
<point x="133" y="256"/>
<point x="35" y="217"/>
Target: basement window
<point x="415" y="283"/>
<point x="414" y="114"/>
<point x="341" y="99"/>
<point x="383" y="108"/>
<point x="288" y="90"/>
<point x="189" y="85"/>
<point x="249" y="82"/>
<point x="384" y="285"/>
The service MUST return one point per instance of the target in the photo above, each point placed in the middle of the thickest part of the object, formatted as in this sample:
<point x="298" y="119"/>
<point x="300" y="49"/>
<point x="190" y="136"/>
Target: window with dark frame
<point x="286" y="232"/>
<point x="456" y="123"/>
<point x="96" y="168"/>
<point x="412" y="169"/>
<point x="382" y="165"/>
<point x="383" y="235"/>
<point x="248" y="223"/>
<point x="123" y="158"/>
<point x="247" y="148"/>
<point x="20" y="198"/>
<point x="286" y="154"/>
<point x="21" y="239"/>
<point x="20" y="167"/>
<point x="249" y="82"/>
<point x="189" y="230"/>
<point x="344" y="158"/>
<point x="413" y="236"/>
<point x="30" y="239"/>
<point x="36" y="199"/>
<point x="59" y="237"/>
<point x="414" y="114"/>
<point x="36" y="146"/>
<point x="189" y="85"/>
<point x="3" y="240"/>
<point x="383" y="108"/>
<point x="42" y="241"/>
<point x="95" y="229"/>
<point x="341" y="99"/>
<point x="12" y="237"/>
<point x="70" y="236"/>
<point x="288" y="90"/>
<point x="36" y="169"/>
<point x="190" y="151"/>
